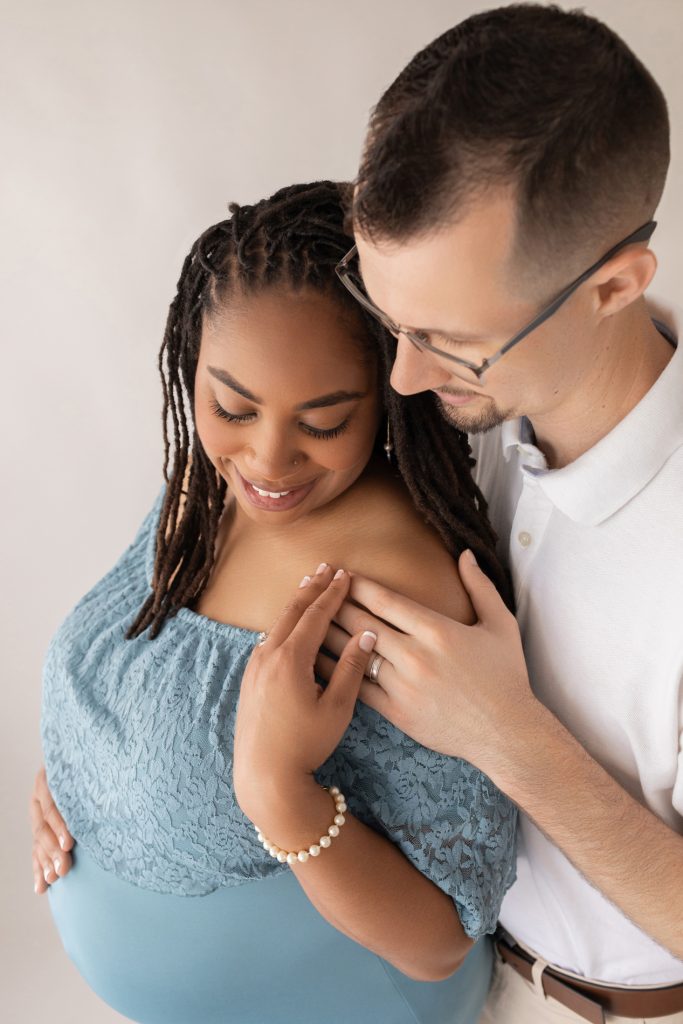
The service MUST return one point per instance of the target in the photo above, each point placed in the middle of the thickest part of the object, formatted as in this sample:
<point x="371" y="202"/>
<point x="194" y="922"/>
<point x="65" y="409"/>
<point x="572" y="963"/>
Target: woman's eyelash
<point x="220" y="411"/>
<point x="313" y="431"/>
<point x="326" y="434"/>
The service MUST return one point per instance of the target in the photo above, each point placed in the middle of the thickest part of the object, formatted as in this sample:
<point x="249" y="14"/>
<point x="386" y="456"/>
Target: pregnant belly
<point x="257" y="953"/>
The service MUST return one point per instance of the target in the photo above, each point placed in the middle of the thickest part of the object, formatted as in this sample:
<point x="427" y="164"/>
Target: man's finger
<point x="401" y="612"/>
<point x="374" y="696"/>
<point x="486" y="600"/>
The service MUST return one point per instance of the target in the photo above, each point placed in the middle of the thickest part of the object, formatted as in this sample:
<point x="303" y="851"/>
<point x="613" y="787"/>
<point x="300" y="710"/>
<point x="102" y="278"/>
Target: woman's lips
<point x="287" y="501"/>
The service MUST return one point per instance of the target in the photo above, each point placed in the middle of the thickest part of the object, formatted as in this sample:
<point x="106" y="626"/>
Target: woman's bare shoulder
<point x="388" y="540"/>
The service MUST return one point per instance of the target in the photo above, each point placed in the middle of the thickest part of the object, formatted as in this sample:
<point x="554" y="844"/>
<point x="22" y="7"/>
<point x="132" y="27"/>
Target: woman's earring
<point x="388" y="447"/>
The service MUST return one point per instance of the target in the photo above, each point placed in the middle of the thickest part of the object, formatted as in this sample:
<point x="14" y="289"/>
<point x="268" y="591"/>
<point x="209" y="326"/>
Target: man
<point x="525" y="150"/>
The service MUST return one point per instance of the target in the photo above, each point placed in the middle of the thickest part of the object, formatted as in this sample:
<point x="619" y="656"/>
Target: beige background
<point x="127" y="126"/>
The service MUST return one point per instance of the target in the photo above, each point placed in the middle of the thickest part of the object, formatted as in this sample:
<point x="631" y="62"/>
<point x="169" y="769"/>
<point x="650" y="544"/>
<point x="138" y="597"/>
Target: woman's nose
<point x="274" y="462"/>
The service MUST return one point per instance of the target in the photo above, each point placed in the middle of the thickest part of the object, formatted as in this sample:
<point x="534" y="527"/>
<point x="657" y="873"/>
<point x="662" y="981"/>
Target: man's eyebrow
<point x="454" y="337"/>
<point x="334" y="398"/>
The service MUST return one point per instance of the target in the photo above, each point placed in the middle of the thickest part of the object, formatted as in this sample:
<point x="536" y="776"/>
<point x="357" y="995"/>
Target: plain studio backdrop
<point x="127" y="127"/>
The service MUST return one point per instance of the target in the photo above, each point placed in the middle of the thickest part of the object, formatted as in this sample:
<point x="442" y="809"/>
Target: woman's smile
<point x="274" y="501"/>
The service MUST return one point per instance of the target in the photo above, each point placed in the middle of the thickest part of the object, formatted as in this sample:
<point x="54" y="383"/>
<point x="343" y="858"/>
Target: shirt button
<point x="524" y="538"/>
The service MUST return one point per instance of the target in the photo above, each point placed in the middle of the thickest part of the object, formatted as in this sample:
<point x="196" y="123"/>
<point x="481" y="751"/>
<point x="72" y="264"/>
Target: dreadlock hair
<point x="293" y="239"/>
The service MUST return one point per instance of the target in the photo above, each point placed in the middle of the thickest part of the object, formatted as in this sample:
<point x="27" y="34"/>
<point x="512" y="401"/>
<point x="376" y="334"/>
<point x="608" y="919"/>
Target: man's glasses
<point x="349" y="274"/>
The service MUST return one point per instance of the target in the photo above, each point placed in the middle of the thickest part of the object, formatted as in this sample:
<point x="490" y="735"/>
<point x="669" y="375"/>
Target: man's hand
<point x="454" y="688"/>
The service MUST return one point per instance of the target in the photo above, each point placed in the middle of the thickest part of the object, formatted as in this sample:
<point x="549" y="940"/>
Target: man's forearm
<point x="620" y="847"/>
<point x="364" y="886"/>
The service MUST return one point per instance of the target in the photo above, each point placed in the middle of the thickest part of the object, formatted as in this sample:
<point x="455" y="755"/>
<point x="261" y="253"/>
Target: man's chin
<point x="473" y="422"/>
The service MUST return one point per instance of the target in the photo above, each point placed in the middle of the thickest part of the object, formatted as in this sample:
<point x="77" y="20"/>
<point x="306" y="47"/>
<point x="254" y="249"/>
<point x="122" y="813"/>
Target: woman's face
<point x="286" y="400"/>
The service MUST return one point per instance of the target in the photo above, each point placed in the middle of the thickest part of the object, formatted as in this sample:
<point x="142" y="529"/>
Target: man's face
<point x="458" y="287"/>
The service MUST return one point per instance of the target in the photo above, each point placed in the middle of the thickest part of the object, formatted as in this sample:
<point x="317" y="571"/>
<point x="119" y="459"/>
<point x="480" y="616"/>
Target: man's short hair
<point x="550" y="102"/>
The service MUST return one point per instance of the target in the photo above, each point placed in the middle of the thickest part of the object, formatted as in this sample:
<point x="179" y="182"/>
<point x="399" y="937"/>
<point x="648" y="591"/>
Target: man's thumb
<point x="485" y="599"/>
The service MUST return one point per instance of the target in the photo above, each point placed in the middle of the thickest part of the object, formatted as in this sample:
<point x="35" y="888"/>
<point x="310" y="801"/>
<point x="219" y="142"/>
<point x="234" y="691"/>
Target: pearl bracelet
<point x="324" y="841"/>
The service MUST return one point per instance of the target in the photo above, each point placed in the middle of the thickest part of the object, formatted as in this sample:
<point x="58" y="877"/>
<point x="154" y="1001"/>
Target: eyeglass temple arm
<point x="641" y="234"/>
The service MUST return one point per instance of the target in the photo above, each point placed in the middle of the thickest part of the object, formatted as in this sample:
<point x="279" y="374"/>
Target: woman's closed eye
<point x="306" y="427"/>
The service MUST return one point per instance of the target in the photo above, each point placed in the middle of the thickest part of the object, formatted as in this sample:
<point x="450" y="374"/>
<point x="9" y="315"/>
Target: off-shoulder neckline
<point x="187" y="614"/>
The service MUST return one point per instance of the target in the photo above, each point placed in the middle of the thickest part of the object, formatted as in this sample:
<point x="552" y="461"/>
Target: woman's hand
<point x="286" y="724"/>
<point x="51" y="838"/>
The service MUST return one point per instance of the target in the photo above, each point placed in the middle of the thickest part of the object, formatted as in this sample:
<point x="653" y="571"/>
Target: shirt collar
<point x="614" y="470"/>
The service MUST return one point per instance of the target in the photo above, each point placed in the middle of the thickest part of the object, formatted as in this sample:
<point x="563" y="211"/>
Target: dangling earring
<point x="388" y="447"/>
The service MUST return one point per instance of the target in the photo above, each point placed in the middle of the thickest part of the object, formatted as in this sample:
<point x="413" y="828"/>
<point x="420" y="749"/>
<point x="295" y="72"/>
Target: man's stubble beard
<point x="473" y="423"/>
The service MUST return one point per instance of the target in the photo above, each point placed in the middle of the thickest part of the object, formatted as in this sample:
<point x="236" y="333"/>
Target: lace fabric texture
<point x="138" y="735"/>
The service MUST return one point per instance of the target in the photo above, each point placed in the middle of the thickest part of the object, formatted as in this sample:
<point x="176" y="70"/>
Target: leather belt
<point x="589" y="999"/>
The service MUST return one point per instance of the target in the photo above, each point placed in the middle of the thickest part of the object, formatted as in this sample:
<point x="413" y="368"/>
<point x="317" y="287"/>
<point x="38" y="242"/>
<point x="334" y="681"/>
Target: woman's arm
<point x="362" y="884"/>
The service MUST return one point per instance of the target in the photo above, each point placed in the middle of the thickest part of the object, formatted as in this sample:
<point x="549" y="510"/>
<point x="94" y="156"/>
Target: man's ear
<point x="623" y="280"/>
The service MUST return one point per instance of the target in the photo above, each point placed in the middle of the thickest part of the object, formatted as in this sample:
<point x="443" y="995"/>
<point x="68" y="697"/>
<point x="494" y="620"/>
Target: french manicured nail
<point x="305" y="581"/>
<point x="338" y="574"/>
<point x="321" y="568"/>
<point x="469" y="555"/>
<point x="57" y="863"/>
<point x="36" y="885"/>
<point x="367" y="641"/>
<point x="46" y="874"/>
<point x="62" y="841"/>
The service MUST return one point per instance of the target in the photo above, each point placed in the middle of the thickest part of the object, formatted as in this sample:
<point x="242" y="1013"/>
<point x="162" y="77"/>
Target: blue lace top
<point x="138" y="735"/>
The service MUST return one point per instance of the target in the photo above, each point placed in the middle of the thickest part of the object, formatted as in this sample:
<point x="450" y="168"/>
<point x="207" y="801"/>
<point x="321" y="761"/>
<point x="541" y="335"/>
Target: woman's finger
<point x="46" y="866"/>
<point x="309" y="632"/>
<point x="337" y="639"/>
<point x="325" y="666"/>
<point x="309" y="589"/>
<point x="347" y="677"/>
<point x="50" y="812"/>
<point x="354" y="620"/>
<point x="39" y="883"/>
<point x="47" y="841"/>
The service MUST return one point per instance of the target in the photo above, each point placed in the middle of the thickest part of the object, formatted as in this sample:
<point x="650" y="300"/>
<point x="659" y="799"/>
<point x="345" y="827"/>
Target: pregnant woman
<point x="295" y="858"/>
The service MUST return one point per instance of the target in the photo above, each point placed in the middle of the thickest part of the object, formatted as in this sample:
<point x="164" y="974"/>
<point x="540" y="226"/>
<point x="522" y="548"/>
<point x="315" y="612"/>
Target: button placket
<point x="528" y="526"/>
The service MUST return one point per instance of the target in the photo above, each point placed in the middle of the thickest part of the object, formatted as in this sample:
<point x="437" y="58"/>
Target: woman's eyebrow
<point x="334" y="398"/>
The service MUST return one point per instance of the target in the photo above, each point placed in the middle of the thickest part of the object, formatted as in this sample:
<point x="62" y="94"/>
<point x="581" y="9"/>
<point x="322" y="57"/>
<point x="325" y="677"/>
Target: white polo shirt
<point x="596" y="555"/>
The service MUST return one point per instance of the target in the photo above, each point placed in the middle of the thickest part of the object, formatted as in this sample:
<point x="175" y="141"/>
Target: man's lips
<point x="459" y="398"/>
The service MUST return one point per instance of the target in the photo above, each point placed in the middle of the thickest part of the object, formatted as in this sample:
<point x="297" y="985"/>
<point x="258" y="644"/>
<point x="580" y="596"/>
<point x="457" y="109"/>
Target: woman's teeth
<point x="270" y="494"/>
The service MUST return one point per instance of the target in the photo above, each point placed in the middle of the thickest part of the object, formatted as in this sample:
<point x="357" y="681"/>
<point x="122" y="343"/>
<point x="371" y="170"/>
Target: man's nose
<point x="415" y="370"/>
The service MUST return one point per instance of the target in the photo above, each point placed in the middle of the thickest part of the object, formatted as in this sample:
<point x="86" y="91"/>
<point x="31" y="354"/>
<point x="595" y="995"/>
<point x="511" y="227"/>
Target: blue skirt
<point x="256" y="953"/>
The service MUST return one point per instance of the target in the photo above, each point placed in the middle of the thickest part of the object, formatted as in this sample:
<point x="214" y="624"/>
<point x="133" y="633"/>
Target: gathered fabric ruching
<point x="138" y="738"/>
